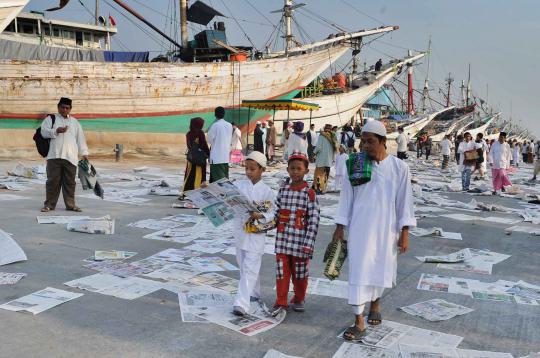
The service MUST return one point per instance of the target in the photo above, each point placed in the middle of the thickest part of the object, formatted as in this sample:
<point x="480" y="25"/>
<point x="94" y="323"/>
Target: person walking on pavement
<point x="220" y="138"/>
<point x="66" y="145"/>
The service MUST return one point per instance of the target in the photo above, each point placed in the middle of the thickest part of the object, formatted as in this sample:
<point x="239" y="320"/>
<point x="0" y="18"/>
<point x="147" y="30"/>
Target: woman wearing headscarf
<point x="195" y="174"/>
<point x="297" y="140"/>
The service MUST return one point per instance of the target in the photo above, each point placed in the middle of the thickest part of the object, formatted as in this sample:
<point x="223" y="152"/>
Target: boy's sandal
<point x="45" y="209"/>
<point x="354" y="334"/>
<point x="374" y="318"/>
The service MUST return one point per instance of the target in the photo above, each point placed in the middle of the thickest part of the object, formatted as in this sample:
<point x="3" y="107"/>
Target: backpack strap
<point x="53" y="118"/>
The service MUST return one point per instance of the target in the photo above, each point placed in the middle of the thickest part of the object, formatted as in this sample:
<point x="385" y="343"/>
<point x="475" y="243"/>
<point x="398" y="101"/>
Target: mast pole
<point x="183" y="23"/>
<point x="410" y="90"/>
<point x="287" y="12"/>
<point x="469" y="86"/>
<point x="449" y="81"/>
<point x="425" y="93"/>
<point x="96" y="14"/>
<point x="463" y="95"/>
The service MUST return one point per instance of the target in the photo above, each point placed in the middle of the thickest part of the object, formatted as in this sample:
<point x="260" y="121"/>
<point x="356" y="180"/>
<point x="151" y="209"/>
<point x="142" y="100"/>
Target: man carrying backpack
<point x="67" y="142"/>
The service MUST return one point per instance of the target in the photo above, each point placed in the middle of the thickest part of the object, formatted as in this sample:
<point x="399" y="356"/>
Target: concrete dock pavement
<point x="151" y="326"/>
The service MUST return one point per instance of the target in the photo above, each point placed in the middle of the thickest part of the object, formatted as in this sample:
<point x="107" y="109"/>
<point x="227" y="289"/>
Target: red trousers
<point x="288" y="267"/>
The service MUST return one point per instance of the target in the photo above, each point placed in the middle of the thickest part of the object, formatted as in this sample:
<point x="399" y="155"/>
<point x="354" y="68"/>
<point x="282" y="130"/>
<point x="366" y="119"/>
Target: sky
<point x="498" y="38"/>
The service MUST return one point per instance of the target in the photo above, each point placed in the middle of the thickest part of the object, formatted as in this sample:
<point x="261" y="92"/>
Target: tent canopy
<point x="281" y="104"/>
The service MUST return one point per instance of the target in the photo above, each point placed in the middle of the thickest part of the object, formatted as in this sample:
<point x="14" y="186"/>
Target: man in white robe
<point x="378" y="215"/>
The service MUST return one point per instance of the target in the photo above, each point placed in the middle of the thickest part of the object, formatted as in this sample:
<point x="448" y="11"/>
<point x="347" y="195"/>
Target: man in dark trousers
<point x="67" y="143"/>
<point x="258" y="138"/>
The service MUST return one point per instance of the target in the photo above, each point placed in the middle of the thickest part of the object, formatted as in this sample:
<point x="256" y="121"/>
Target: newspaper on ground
<point x="215" y="281"/>
<point x="468" y="353"/>
<point x="429" y="209"/>
<point x="272" y="353"/>
<point x="528" y="229"/>
<point x="436" y="310"/>
<point x="175" y="255"/>
<point x="155" y="224"/>
<point x="10" y="251"/>
<point x="501" y="220"/>
<point x="184" y="218"/>
<point x="193" y="301"/>
<point x="40" y="301"/>
<point x="113" y="255"/>
<point x="211" y="247"/>
<point x="11" y="278"/>
<point x="522" y="288"/>
<point x="435" y="232"/>
<point x="118" y="268"/>
<point x="439" y="283"/>
<point x="325" y="287"/>
<point x="95" y="283"/>
<point x="176" y="272"/>
<point x="389" y="335"/>
<point x="257" y="320"/>
<point x="211" y="264"/>
<point x="131" y="288"/>
<point x="458" y="256"/>
<point x="480" y="267"/>
<point x="103" y="225"/>
<point x="164" y="191"/>
<point x="26" y="172"/>
<point x="417" y="351"/>
<point x="352" y="350"/>
<point x="59" y="219"/>
<point x="179" y="235"/>
<point x="221" y="201"/>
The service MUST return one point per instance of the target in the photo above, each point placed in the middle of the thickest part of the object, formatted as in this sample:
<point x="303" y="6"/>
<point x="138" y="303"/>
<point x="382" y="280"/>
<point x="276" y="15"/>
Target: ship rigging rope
<point x="238" y="24"/>
<point x="361" y="12"/>
<point x="327" y="21"/>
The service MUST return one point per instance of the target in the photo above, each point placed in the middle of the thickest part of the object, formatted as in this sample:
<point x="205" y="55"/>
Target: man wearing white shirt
<point x="219" y="137"/>
<point x="466" y="166"/>
<point x="445" y="151"/>
<point x="402" y="142"/>
<point x="67" y="143"/>
<point x="499" y="158"/>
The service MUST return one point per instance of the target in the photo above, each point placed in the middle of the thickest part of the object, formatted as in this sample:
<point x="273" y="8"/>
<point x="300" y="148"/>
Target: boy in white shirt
<point x="249" y="244"/>
<point x="341" y="167"/>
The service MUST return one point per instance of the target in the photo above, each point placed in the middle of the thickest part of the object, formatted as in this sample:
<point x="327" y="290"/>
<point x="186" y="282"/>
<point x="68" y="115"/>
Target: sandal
<point x="354" y="334"/>
<point x="75" y="208"/>
<point x="46" y="209"/>
<point x="374" y="318"/>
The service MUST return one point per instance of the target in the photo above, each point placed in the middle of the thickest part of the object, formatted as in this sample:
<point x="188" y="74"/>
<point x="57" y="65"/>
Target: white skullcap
<point x="257" y="157"/>
<point x="375" y="127"/>
<point x="258" y="122"/>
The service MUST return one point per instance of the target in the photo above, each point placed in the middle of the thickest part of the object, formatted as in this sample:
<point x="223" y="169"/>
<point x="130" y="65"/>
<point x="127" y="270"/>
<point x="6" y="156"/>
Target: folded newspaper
<point x="458" y="256"/>
<point x="436" y="310"/>
<point x="221" y="201"/>
<point x="102" y="225"/>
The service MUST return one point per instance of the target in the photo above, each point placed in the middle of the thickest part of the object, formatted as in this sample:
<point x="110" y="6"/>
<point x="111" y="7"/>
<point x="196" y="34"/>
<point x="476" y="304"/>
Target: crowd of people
<point x="375" y="202"/>
<point x="474" y="155"/>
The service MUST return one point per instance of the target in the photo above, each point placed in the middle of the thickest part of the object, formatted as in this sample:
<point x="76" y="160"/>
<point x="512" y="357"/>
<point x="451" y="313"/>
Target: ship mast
<point x="425" y="93"/>
<point x="183" y="23"/>
<point x="410" y="90"/>
<point x="449" y="81"/>
<point x="469" y="94"/>
<point x="96" y="14"/>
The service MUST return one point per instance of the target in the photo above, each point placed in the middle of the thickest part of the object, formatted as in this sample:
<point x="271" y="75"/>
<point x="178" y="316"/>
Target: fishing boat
<point x="416" y="124"/>
<point x="451" y="127"/>
<point x="339" y="107"/>
<point x="120" y="99"/>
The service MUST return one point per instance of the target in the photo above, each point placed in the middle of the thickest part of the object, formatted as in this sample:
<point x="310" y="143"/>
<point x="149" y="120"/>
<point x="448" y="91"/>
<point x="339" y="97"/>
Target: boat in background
<point x="417" y="124"/>
<point x="9" y="9"/>
<point x="340" y="105"/>
<point x="120" y="99"/>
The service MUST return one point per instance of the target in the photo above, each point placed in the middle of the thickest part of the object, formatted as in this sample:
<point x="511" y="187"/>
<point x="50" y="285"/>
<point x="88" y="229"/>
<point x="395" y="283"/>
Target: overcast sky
<point x="499" y="38"/>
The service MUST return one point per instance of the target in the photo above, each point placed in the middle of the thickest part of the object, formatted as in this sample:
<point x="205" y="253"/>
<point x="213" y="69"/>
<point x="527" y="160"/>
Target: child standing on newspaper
<point x="297" y="219"/>
<point x="250" y="232"/>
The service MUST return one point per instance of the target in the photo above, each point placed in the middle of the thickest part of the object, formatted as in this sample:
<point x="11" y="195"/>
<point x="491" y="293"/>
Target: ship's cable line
<point x="327" y="21"/>
<point x="238" y="24"/>
<point x="361" y="12"/>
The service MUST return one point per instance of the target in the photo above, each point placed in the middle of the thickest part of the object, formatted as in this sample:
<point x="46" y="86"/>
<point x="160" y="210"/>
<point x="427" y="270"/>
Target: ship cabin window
<point x="46" y="30"/>
<point x="11" y="27"/>
<point x="87" y="39"/>
<point x="28" y="29"/>
<point x="68" y="34"/>
<point x="79" y="38"/>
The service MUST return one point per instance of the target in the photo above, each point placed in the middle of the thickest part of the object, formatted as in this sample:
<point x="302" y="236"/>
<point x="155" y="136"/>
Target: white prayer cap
<point x="258" y="122"/>
<point x="374" y="127"/>
<point x="257" y="157"/>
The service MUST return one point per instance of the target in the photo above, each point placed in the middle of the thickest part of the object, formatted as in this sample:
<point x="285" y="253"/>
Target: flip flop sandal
<point x="46" y="209"/>
<point x="374" y="318"/>
<point x="75" y="208"/>
<point x="354" y="334"/>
